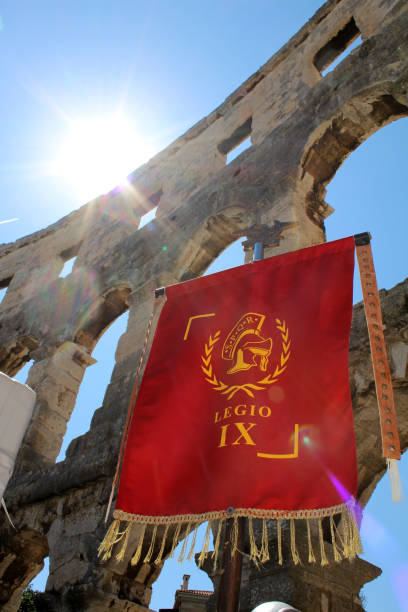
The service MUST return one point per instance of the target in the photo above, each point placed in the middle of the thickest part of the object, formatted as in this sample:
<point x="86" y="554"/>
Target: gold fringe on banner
<point x="253" y="550"/>
<point x="183" y="550"/>
<point x="193" y="541"/>
<point x="151" y="547"/>
<point x="311" y="558"/>
<point x="336" y="552"/>
<point x="217" y="544"/>
<point x="175" y="538"/>
<point x="138" y="552"/>
<point x="206" y="545"/>
<point x="323" y="558"/>
<point x="295" y="556"/>
<point x="264" y="552"/>
<point x="121" y="553"/>
<point x="159" y="557"/>
<point x="279" y="529"/>
<point x="344" y="535"/>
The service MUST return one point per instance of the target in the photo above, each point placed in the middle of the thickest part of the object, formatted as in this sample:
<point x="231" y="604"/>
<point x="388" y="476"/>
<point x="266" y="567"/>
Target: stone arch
<point x="333" y="141"/>
<point x="101" y="314"/>
<point x="21" y="558"/>
<point x="327" y="149"/>
<point x="57" y="379"/>
<point x="211" y="237"/>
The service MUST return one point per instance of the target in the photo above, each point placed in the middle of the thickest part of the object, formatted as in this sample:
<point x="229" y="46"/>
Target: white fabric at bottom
<point x="16" y="408"/>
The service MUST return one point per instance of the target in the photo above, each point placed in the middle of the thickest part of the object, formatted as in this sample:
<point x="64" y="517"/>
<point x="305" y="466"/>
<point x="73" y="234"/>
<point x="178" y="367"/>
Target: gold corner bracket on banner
<point x="382" y="376"/>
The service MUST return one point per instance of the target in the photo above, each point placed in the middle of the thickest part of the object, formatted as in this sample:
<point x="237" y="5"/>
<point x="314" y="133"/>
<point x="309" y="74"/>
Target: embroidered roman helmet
<point x="245" y="346"/>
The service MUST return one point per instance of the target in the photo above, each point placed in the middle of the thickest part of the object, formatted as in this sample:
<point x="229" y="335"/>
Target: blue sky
<point x="162" y="66"/>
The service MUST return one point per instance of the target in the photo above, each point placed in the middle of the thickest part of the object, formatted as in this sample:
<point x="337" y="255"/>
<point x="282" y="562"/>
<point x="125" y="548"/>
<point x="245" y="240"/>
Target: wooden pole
<point x="259" y="237"/>
<point x="231" y="567"/>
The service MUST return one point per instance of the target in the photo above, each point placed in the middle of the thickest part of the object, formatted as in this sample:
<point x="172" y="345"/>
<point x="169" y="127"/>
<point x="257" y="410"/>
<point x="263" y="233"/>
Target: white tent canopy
<point x="16" y="408"/>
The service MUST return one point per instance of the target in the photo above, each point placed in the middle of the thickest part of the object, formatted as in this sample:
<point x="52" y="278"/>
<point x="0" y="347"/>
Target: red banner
<point x="245" y="401"/>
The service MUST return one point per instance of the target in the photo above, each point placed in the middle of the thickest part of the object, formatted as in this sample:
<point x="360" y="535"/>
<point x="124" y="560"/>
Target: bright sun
<point x="98" y="155"/>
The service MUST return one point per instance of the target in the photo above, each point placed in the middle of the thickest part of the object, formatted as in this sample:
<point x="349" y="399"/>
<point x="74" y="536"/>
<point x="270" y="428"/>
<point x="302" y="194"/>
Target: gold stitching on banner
<point x="210" y="314"/>
<point x="248" y="388"/>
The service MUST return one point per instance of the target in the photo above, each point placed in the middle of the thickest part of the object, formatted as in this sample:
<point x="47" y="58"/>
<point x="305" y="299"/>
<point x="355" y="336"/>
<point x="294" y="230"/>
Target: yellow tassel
<point x="352" y="544"/>
<point x="346" y="528"/>
<point x="295" y="556"/>
<point x="279" y="529"/>
<point x="163" y="544"/>
<point x="357" y="547"/>
<point x="184" y="547"/>
<point x="193" y="541"/>
<point x="234" y="543"/>
<point x="264" y="552"/>
<point x="217" y="544"/>
<point x="323" y="557"/>
<point x="108" y="542"/>
<point x="312" y="558"/>
<point x="341" y="548"/>
<point x="253" y="550"/>
<point x="395" y="480"/>
<point x="151" y="547"/>
<point x="337" y="556"/>
<point x="136" y="556"/>
<point x="206" y="545"/>
<point x="175" y="539"/>
<point x="121" y="554"/>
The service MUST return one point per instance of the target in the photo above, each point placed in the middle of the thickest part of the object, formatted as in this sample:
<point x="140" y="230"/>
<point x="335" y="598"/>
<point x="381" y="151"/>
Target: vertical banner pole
<point x="382" y="376"/>
<point x="230" y="579"/>
<point x="231" y="565"/>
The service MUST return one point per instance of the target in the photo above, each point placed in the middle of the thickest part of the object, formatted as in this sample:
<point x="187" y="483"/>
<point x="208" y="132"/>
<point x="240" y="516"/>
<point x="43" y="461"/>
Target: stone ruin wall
<point x="302" y="127"/>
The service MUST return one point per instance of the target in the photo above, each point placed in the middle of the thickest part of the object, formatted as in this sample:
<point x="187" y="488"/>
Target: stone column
<point x="56" y="381"/>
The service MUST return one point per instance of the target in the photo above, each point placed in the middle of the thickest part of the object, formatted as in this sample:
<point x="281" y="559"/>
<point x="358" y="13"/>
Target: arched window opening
<point x="22" y="374"/>
<point x="39" y="582"/>
<point x="231" y="257"/>
<point x="94" y="383"/>
<point x="368" y="194"/>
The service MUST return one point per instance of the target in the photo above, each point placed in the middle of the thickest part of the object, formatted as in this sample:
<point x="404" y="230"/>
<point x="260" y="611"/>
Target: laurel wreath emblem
<point x="248" y="388"/>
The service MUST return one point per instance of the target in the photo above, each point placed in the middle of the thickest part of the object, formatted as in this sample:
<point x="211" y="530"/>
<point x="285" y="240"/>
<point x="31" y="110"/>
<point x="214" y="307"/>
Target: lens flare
<point x="99" y="153"/>
<point x="60" y="298"/>
<point x="308" y="435"/>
